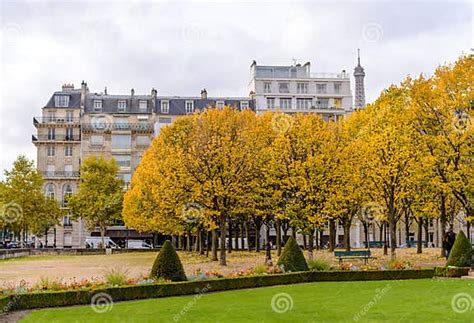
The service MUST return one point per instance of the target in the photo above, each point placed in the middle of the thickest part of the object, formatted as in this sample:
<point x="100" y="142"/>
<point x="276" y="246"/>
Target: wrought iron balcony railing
<point x="106" y="126"/>
<point x="56" y="120"/>
<point x="55" y="138"/>
<point x="58" y="174"/>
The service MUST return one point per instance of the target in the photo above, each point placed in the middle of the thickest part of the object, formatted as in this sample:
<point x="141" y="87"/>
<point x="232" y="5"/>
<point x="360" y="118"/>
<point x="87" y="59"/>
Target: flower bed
<point x="82" y="296"/>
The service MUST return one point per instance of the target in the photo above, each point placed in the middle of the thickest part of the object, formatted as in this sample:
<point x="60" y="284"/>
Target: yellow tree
<point x="390" y="155"/>
<point x="443" y="109"/>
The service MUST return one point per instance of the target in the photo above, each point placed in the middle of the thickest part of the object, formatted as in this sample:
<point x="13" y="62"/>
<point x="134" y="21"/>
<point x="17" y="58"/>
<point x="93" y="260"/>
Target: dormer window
<point x="244" y="105"/>
<point x="121" y="106"/>
<point x="165" y="106"/>
<point x="142" y="105"/>
<point x="220" y="104"/>
<point x="189" y="106"/>
<point x="61" y="101"/>
<point x="97" y="105"/>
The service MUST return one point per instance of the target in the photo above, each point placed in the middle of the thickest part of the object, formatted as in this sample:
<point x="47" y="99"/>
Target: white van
<point x="138" y="244"/>
<point x="96" y="243"/>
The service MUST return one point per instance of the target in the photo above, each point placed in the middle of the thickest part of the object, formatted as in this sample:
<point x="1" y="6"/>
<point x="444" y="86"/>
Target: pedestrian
<point x="448" y="242"/>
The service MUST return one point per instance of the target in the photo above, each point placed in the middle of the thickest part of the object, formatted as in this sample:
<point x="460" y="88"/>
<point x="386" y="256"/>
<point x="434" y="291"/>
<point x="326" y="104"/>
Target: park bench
<point x="374" y="244"/>
<point x="353" y="254"/>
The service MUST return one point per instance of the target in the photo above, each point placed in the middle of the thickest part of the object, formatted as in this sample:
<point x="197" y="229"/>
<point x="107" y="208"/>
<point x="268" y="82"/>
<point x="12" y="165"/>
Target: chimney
<point x="203" y="94"/>
<point x="84" y="91"/>
<point x="132" y="92"/>
<point x="68" y="87"/>
<point x="105" y="91"/>
<point x="154" y="92"/>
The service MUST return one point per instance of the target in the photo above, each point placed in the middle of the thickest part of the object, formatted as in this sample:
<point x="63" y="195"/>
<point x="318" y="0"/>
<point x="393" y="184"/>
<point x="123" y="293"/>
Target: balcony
<point x="62" y="174"/>
<point x="49" y="121"/>
<point x="106" y="126"/>
<point x="55" y="138"/>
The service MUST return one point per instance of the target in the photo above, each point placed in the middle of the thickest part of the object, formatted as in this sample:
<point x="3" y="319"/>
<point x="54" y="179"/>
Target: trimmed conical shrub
<point x="292" y="258"/>
<point x="461" y="254"/>
<point x="167" y="264"/>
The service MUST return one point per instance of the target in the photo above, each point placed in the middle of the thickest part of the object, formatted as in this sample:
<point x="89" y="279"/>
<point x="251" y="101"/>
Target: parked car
<point x="138" y="244"/>
<point x="13" y="245"/>
<point x="96" y="243"/>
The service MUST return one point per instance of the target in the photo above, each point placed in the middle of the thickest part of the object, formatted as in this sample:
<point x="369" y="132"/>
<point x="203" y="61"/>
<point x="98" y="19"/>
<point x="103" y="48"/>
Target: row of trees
<point x="407" y="155"/>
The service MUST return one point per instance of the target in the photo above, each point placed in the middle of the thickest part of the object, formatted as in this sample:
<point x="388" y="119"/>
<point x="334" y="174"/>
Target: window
<point x="97" y="105"/>
<point x="338" y="103"/>
<point x="189" y="106"/>
<point x="51" y="133"/>
<point x="142" y="105"/>
<point x="304" y="104"/>
<point x="337" y="88"/>
<point x="302" y="88"/>
<point x="68" y="150"/>
<point x="69" y="134"/>
<point x="121" y="105"/>
<point x="321" y="88"/>
<point x="164" y="120"/>
<point x="68" y="170"/>
<point x="285" y="103"/>
<point x="121" y="123"/>
<point x="323" y="103"/>
<point x="97" y="140"/>
<point x="267" y="87"/>
<point x="61" y="101"/>
<point x="121" y="142"/>
<point x="50" y="170"/>
<point x="271" y="103"/>
<point x="49" y="190"/>
<point x="67" y="192"/>
<point x="284" y="87"/>
<point x="142" y="140"/>
<point x="51" y="151"/>
<point x="220" y="104"/>
<point x="51" y="116"/>
<point x="244" y="105"/>
<point x="123" y="160"/>
<point x="165" y="106"/>
<point x="69" y="116"/>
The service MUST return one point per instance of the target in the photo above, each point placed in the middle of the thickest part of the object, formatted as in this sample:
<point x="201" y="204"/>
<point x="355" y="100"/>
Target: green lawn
<point x="427" y="300"/>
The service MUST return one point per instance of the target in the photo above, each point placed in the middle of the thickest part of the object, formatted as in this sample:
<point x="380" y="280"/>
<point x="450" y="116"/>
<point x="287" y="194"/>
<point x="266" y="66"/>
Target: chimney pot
<point x="132" y="91"/>
<point x="68" y="87"/>
<point x="204" y="94"/>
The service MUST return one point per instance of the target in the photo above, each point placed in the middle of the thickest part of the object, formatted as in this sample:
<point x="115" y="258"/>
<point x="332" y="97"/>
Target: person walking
<point x="449" y="239"/>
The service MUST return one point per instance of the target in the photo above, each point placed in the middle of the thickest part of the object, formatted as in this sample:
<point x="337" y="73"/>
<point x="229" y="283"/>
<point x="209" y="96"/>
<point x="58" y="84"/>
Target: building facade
<point x="295" y="89"/>
<point x="76" y="124"/>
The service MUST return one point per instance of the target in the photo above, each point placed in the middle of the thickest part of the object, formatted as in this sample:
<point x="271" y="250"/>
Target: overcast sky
<point x="181" y="47"/>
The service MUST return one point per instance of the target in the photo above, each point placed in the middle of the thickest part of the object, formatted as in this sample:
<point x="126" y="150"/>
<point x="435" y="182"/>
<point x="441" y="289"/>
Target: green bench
<point x="353" y="254"/>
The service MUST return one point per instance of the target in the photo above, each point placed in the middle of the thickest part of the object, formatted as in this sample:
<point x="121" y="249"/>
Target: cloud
<point x="181" y="47"/>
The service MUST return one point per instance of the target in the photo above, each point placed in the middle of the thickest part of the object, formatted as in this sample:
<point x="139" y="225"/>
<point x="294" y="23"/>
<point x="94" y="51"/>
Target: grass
<point x="427" y="300"/>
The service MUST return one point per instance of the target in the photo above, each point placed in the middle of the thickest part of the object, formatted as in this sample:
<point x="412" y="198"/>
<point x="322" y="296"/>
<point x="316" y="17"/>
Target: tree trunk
<point x="427" y="234"/>
<point x="442" y="220"/>
<point x="347" y="234"/>
<point x="229" y="245"/>
<point x="242" y="240"/>
<point x="214" y="245"/>
<point x="468" y="231"/>
<point x="278" y="237"/>
<point x="222" y="259"/>
<point x="102" y="237"/>
<point x="293" y="232"/>
<point x="247" y="234"/>
<point x="393" y="238"/>
<point x="310" y="244"/>
<point x="180" y="242"/>
<point x="407" y="228"/>
<point x="385" y="247"/>
<point x="236" y="236"/>
<point x="419" y="236"/>
<point x="305" y="242"/>
<point x="268" y="253"/>
<point x="258" y="226"/>
<point x="208" y="242"/>
<point x="332" y="235"/>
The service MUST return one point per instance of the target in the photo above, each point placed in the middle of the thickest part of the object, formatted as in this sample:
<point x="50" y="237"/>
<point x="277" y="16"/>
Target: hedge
<point x="451" y="271"/>
<point x="135" y="292"/>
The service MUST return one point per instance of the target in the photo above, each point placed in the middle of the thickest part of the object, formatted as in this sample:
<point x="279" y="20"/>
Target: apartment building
<point x="77" y="123"/>
<point x="295" y="89"/>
